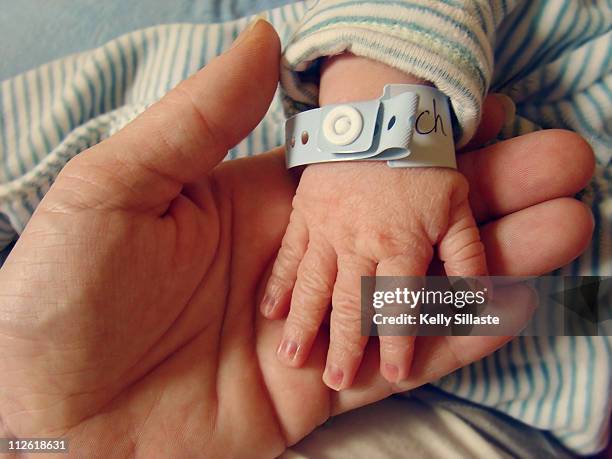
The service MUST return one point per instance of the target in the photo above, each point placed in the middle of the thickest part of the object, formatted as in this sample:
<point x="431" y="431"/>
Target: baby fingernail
<point x="333" y="376"/>
<point x="268" y="304"/>
<point x="287" y="350"/>
<point x="392" y="372"/>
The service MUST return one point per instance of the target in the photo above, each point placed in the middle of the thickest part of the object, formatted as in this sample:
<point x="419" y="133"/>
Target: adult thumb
<point x="184" y="135"/>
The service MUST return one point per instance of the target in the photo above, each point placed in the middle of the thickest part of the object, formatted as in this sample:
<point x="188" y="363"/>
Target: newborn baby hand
<point x="356" y="219"/>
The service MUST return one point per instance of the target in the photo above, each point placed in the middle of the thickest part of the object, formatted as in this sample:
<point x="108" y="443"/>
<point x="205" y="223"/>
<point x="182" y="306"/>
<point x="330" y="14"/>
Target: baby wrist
<point x="406" y="126"/>
<point x="348" y="78"/>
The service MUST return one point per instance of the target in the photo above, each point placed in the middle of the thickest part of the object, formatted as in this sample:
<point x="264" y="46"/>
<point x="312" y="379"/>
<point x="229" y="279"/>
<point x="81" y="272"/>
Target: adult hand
<point x="128" y="319"/>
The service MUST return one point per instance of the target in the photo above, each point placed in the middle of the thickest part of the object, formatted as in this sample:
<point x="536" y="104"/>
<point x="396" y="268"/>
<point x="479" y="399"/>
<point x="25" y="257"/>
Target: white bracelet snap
<point x="342" y="125"/>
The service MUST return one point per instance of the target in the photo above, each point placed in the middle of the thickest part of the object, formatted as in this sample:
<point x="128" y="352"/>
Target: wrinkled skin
<point x="346" y="224"/>
<point x="364" y="219"/>
<point x="128" y="316"/>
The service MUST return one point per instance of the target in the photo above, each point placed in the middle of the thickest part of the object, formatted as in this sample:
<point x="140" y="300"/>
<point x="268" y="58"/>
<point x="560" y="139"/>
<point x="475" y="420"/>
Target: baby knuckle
<point x="346" y="318"/>
<point x="349" y="346"/>
<point x="287" y="256"/>
<point x="383" y="244"/>
<point x="464" y="238"/>
<point x="469" y="255"/>
<point x="466" y="231"/>
<point x="380" y="245"/>
<point x="306" y="318"/>
<point x="345" y="301"/>
<point x="389" y="345"/>
<point x="353" y="263"/>
<point x="398" y="263"/>
<point x="313" y="283"/>
<point x="470" y="251"/>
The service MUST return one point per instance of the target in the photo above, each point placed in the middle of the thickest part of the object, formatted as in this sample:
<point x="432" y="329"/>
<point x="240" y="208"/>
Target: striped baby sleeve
<point x="7" y="233"/>
<point x="448" y="42"/>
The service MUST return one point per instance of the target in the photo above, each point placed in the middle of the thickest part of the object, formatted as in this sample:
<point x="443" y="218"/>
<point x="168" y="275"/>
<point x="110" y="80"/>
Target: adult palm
<point x="128" y="315"/>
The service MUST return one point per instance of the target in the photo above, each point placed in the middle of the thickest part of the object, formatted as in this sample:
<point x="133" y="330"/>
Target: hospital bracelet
<point x="408" y="126"/>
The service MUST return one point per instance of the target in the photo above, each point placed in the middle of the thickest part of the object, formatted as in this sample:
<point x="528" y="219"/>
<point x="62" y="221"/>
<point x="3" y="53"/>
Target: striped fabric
<point x="553" y="57"/>
<point x="63" y="27"/>
<point x="447" y="42"/>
